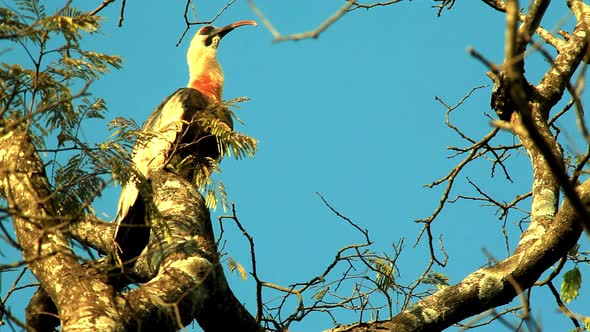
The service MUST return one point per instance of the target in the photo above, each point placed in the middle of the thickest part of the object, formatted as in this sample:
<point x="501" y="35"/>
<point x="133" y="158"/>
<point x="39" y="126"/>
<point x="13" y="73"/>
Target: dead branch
<point x="190" y="23"/>
<point x="315" y="33"/>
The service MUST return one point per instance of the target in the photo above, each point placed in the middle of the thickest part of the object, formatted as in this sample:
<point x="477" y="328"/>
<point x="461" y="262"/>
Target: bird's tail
<point x="129" y="195"/>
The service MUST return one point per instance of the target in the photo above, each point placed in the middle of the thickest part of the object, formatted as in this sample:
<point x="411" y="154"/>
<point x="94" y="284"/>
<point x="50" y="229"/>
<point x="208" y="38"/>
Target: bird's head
<point x="205" y="72"/>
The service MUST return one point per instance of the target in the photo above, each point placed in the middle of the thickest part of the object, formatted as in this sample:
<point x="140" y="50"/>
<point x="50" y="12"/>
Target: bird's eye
<point x="205" y="30"/>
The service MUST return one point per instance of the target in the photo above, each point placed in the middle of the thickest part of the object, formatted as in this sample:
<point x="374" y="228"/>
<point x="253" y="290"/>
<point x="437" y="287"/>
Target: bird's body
<point x="174" y="133"/>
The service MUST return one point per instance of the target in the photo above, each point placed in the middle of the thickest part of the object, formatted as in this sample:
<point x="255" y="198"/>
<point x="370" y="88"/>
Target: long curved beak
<point x="226" y="29"/>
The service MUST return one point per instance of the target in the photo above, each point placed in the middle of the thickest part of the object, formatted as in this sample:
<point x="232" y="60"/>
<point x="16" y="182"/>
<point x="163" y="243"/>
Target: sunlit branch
<point x="374" y="4"/>
<point x="102" y="6"/>
<point x="315" y="33"/>
<point x="189" y="23"/>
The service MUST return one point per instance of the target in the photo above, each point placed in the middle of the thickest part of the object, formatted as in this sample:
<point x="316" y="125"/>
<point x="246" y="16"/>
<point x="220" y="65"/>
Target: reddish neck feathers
<point x="208" y="86"/>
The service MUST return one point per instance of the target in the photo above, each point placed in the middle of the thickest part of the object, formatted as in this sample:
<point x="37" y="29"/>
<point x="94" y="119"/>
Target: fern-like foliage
<point x="385" y="277"/>
<point x="230" y="143"/>
<point x="234" y="266"/>
<point x="47" y="89"/>
<point x="203" y="171"/>
<point x="437" y="279"/>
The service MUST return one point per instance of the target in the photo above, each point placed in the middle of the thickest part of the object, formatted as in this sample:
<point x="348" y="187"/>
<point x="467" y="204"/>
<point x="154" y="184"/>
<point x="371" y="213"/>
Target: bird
<point x="175" y="132"/>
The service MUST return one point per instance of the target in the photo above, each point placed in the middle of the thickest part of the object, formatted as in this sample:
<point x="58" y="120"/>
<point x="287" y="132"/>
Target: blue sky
<point x="351" y="115"/>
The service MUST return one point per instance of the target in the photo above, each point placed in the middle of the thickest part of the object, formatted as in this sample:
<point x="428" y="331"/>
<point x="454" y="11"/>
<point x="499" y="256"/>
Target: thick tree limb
<point x="570" y="55"/>
<point x="190" y="282"/>
<point x="513" y="93"/>
<point x="533" y="112"/>
<point x="494" y="286"/>
<point x="43" y="244"/>
<point x="185" y="277"/>
<point x="93" y="232"/>
<point x="552" y="232"/>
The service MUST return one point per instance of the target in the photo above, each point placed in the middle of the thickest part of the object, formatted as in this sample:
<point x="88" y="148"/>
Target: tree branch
<point x="490" y="287"/>
<point x="93" y="232"/>
<point x="186" y="279"/>
<point x="37" y="227"/>
<point x="315" y="33"/>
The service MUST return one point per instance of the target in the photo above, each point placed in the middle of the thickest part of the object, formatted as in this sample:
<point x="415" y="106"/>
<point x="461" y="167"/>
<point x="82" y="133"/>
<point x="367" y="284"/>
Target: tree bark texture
<point x="552" y="230"/>
<point x="184" y="278"/>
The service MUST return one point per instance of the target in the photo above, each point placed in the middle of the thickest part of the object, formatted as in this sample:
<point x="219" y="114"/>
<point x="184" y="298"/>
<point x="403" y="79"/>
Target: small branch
<point x="553" y="273"/>
<point x="563" y="307"/>
<point x="531" y="22"/>
<point x="578" y="169"/>
<point x="13" y="288"/>
<point x="122" y="13"/>
<point x="254" y="273"/>
<point x="445" y="3"/>
<point x="102" y="6"/>
<point x="500" y="6"/>
<point x="315" y="33"/>
<point x="493" y="316"/>
<point x="495" y="70"/>
<point x="365" y="232"/>
<point x="513" y="54"/>
<point x="375" y="4"/>
<point x="189" y="23"/>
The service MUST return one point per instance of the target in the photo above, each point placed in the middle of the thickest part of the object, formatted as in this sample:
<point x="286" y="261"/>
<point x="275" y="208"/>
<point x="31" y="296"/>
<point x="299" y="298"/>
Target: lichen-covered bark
<point x="552" y="231"/>
<point x="184" y="279"/>
<point x="83" y="302"/>
<point x="490" y="287"/>
<point x="93" y="232"/>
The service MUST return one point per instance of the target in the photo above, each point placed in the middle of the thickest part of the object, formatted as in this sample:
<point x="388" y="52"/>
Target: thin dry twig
<point x="254" y="273"/>
<point x="315" y="33"/>
<point x="448" y="4"/>
<point x="365" y="232"/>
<point x="122" y="13"/>
<point x="374" y="4"/>
<point x="563" y="307"/>
<point x="189" y="23"/>
<point x="102" y="6"/>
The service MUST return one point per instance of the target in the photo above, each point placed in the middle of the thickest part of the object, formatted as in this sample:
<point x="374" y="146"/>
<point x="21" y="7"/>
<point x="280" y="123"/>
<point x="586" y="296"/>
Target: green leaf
<point x="385" y="273"/>
<point x="319" y="295"/>
<point x="437" y="279"/>
<point x="570" y="287"/>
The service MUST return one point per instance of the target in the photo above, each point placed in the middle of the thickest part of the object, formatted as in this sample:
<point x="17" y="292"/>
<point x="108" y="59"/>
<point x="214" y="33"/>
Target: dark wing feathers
<point x="172" y="129"/>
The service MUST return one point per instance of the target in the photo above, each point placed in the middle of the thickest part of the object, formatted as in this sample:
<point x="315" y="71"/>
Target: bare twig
<point x="315" y="33"/>
<point x="483" y="60"/>
<point x="254" y="273"/>
<point x="563" y="307"/>
<point x="374" y="4"/>
<point x="365" y="232"/>
<point x="189" y="23"/>
<point x="448" y="4"/>
<point x="122" y="13"/>
<point x="553" y="273"/>
<point x="102" y="6"/>
<point x="547" y="36"/>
